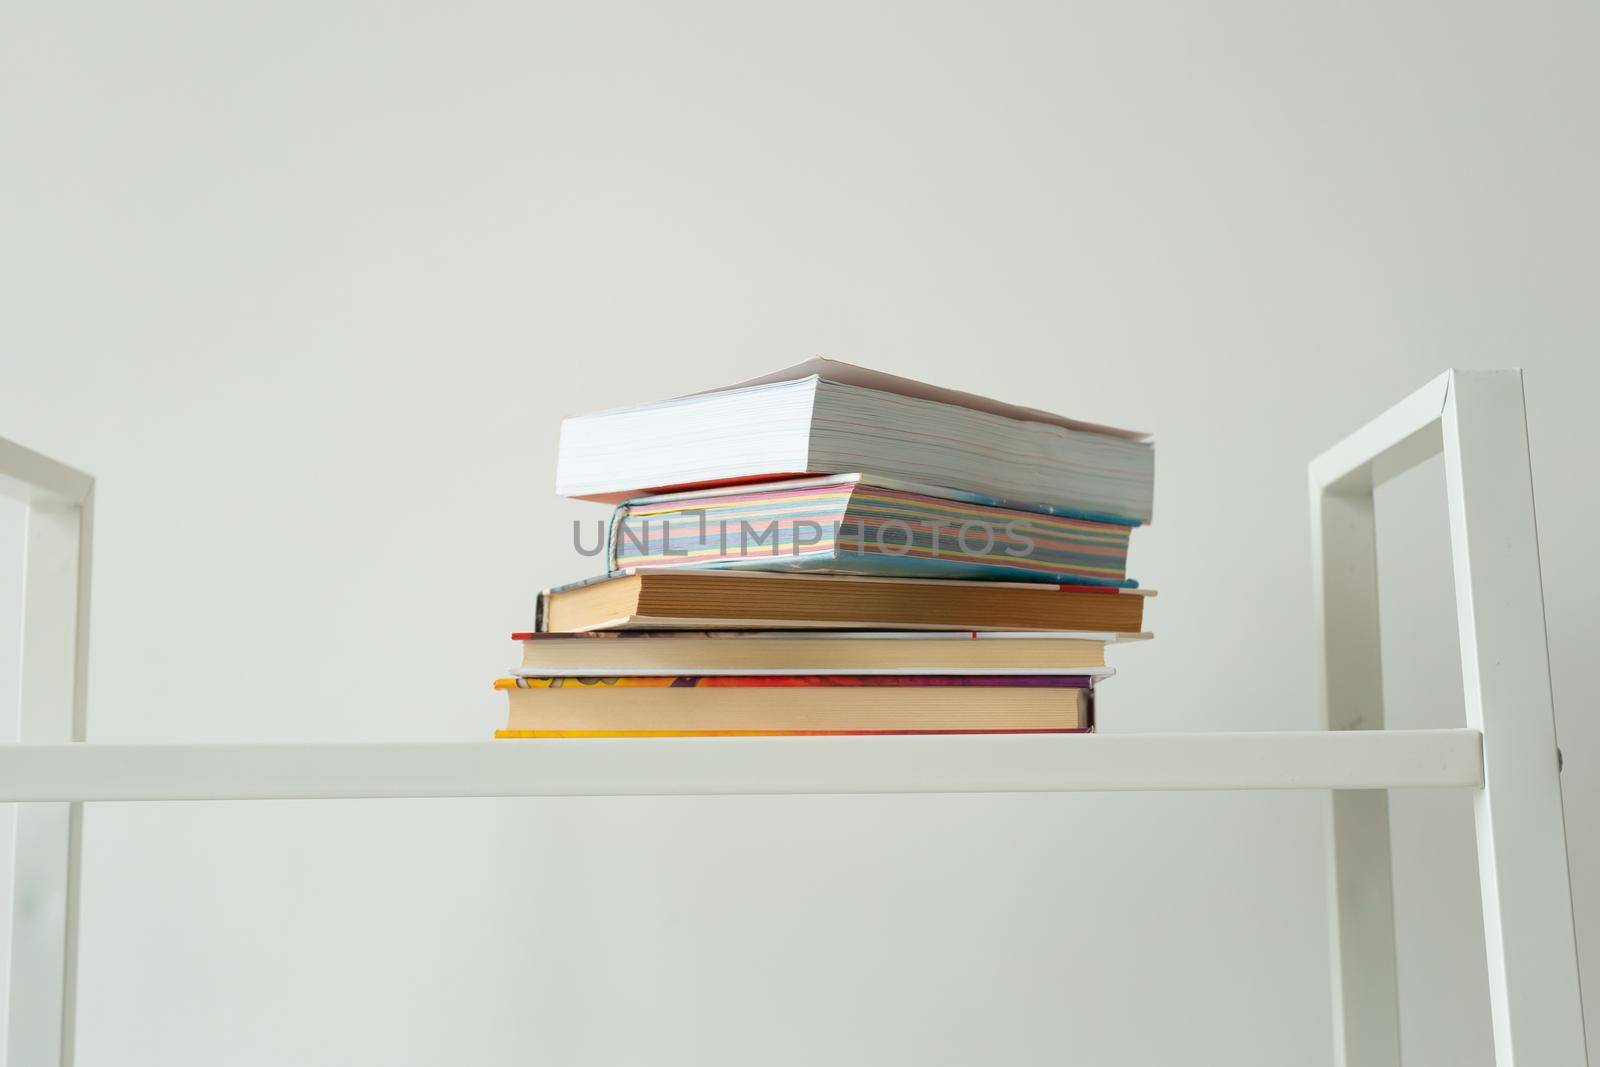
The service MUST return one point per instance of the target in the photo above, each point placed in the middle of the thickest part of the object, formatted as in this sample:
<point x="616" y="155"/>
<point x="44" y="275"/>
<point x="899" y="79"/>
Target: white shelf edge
<point x="1379" y="759"/>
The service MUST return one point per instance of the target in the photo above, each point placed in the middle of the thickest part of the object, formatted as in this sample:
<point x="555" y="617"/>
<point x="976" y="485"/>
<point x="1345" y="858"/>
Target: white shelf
<point x="764" y="765"/>
<point x="1508" y="756"/>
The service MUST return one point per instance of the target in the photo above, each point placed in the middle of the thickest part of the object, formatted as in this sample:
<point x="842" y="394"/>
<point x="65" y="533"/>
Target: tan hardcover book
<point x="668" y="706"/>
<point x="648" y="652"/>
<point x="699" y="600"/>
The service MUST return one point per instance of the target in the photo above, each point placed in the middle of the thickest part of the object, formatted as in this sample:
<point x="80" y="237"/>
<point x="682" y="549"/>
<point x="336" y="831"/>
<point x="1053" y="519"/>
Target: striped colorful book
<point x="753" y="706"/>
<point x="850" y="525"/>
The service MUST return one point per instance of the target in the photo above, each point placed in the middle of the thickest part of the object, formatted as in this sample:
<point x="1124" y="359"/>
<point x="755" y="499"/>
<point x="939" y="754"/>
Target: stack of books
<point x="833" y="550"/>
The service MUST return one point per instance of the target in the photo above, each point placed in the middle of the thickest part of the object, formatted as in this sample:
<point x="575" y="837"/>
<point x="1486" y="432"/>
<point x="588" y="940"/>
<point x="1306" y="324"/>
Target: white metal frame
<point x="1506" y="754"/>
<point x="54" y="668"/>
<point x="1477" y="419"/>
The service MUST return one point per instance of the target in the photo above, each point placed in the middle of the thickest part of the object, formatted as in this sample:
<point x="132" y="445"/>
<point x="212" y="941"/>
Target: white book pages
<point x="820" y="426"/>
<point x="834" y="370"/>
<point x="745" y="433"/>
<point x="924" y="441"/>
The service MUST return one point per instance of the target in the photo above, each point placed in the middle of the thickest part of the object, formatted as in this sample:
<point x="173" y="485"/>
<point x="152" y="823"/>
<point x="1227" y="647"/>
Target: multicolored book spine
<point x="845" y="525"/>
<point x="806" y="681"/>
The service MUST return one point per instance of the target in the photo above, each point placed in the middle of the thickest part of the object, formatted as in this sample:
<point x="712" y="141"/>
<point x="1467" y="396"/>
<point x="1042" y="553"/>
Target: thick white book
<point x="826" y="417"/>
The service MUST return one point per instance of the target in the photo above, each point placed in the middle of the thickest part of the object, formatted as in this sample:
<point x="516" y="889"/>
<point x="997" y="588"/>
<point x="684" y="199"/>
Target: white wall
<point x="307" y="288"/>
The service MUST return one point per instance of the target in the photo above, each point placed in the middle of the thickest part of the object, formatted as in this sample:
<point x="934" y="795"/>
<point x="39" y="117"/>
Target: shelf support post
<point x="41" y="998"/>
<point x="1477" y="419"/>
<point x="1536" y="1005"/>
<point x="1366" y="1006"/>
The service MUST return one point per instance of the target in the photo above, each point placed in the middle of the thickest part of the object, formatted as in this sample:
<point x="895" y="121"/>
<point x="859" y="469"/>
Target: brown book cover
<point x="700" y="600"/>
